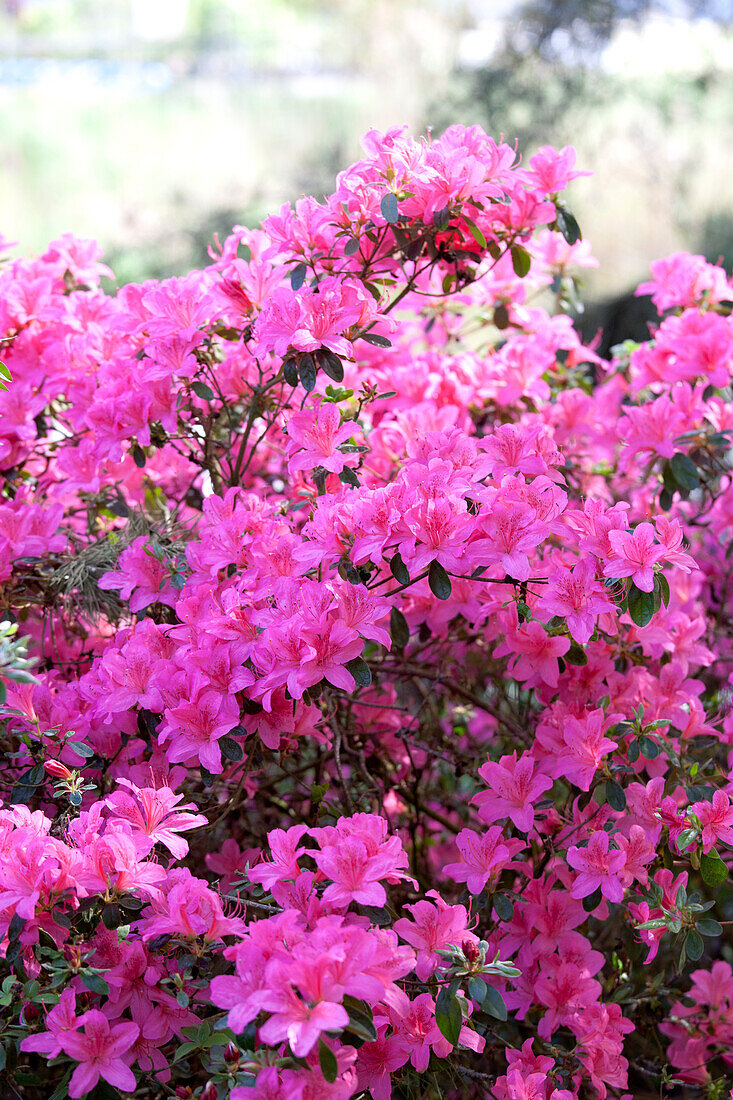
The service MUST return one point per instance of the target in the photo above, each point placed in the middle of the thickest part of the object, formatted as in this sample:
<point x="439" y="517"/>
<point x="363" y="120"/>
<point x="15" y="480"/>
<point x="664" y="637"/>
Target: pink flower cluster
<point x="366" y="678"/>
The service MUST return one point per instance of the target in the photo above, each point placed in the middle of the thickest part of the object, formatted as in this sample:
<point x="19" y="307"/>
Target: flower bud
<point x="231" y="1054"/>
<point x="471" y="951"/>
<point x="29" y="1013"/>
<point x="183" y="1092"/>
<point x="57" y="769"/>
<point x="210" y="1091"/>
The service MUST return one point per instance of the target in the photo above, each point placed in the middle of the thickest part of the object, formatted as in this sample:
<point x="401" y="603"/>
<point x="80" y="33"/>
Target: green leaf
<point x="104" y="1091"/>
<point x="475" y="232"/>
<point x="307" y="372"/>
<point x="231" y="749"/>
<point x="390" y="209"/>
<point x="502" y="319"/>
<point x="80" y="749"/>
<point x="113" y="916"/>
<point x="477" y="989"/>
<point x="26" y="785"/>
<point x="649" y="749"/>
<point x="685" y="474"/>
<point x="448" y="1015"/>
<point x="351" y="246"/>
<point x="138" y="456"/>
<point x="439" y="581"/>
<point x="441" y="218"/>
<point x="347" y="476"/>
<point x="694" y="945"/>
<point x="290" y="371"/>
<point x="330" y="364"/>
<point x="5" y="373"/>
<point x="297" y="276"/>
<point x="567" y="224"/>
<point x="494" y="1003"/>
<point x="95" y="983"/>
<point x="662" y="585"/>
<point x="503" y="907"/>
<point x="377" y="340"/>
<point x="183" y="1050"/>
<point x="359" y="669"/>
<point x="398" y="570"/>
<point x="398" y="628"/>
<point x="576" y="655"/>
<point x="361" y="1021"/>
<point x="203" y="391"/>
<point x="327" y="1062"/>
<point x="641" y="605"/>
<point x="632" y="752"/>
<point x="615" y="796"/>
<point x="521" y="260"/>
<point x="709" y="927"/>
<point x="714" y="872"/>
<point x="62" y="1092"/>
<point x="592" y="901"/>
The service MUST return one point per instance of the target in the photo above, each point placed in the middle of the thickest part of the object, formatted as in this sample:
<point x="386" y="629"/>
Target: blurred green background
<point x="152" y="124"/>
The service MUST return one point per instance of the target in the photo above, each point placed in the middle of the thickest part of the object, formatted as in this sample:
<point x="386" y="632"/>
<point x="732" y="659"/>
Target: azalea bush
<point x="365" y="658"/>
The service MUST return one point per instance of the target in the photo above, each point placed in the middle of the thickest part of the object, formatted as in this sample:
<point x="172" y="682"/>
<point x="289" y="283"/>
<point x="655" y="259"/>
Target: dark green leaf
<point x="138" y="456"/>
<point x="521" y="260"/>
<point x="327" y="1062"/>
<point x="641" y="605"/>
<point x="290" y="371"/>
<point x="95" y="983"/>
<point x="330" y="364"/>
<point x="592" y="901"/>
<point x="359" y="669"/>
<point x="694" y="945"/>
<point x="361" y="1022"/>
<point x="709" y="927"/>
<point x="448" y="1015"/>
<point x="377" y="340"/>
<point x="477" y="989"/>
<point x="441" y="218"/>
<point x="503" y="907"/>
<point x="390" y="209"/>
<point x="113" y="916"/>
<point x="26" y="785"/>
<point x="203" y="391"/>
<point x="685" y="474"/>
<point x="666" y="499"/>
<point x="377" y="915"/>
<point x="347" y="476"/>
<point x="567" y="225"/>
<point x="399" y="570"/>
<point x="398" y="628"/>
<point x="351" y="246"/>
<point x="501" y="316"/>
<point x="633" y="751"/>
<point x="700" y="792"/>
<point x="649" y="749"/>
<point x="307" y="372"/>
<point x="662" y="584"/>
<point x="615" y="796"/>
<point x="80" y="749"/>
<point x="494" y="1003"/>
<point x="297" y="276"/>
<point x="714" y="872"/>
<point x="231" y="749"/>
<point x="439" y="581"/>
<point x="576" y="655"/>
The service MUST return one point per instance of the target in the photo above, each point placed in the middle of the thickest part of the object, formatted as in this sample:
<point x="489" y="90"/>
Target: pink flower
<point x="298" y="1022"/>
<point x="716" y="818"/>
<point x="634" y="555"/>
<point x="599" y="867"/>
<point x="577" y="596"/>
<point x="433" y="925"/>
<point x="155" y="816"/>
<point x="316" y="435"/>
<point x="99" y="1051"/>
<point x="513" y="788"/>
<point x="483" y="856"/>
<point x="585" y="746"/>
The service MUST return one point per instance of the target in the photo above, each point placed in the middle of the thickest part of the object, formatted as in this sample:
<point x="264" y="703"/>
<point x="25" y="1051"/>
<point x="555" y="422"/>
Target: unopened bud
<point x="231" y="1053"/>
<point x="210" y="1091"/>
<point x="471" y="951"/>
<point x="73" y="956"/>
<point x="57" y="769"/>
<point x="183" y="1092"/>
<point x="29" y="1013"/>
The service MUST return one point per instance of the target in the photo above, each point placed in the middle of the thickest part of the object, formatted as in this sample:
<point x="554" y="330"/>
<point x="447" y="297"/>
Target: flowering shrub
<point x="365" y="719"/>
